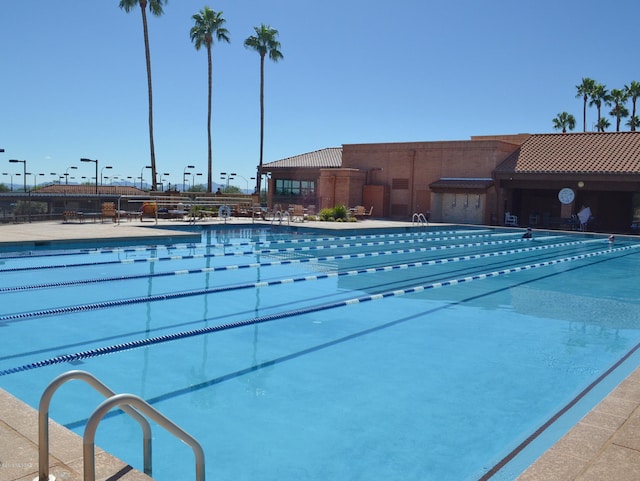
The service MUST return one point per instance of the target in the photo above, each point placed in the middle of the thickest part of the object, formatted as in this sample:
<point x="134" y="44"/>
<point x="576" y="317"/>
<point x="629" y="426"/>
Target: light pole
<point x="96" y="162"/>
<point x="6" y="173"/>
<point x="24" y="170"/>
<point x="227" y="177"/>
<point x="184" y="175"/>
<point x="141" y="174"/>
<point x="193" y="178"/>
<point x="66" y="173"/>
<point x="102" y="170"/>
<point x="166" y="174"/>
<point x="245" y="179"/>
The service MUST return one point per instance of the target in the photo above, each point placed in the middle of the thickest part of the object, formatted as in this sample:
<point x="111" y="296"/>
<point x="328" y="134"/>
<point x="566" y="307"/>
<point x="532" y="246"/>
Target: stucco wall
<point x="409" y="168"/>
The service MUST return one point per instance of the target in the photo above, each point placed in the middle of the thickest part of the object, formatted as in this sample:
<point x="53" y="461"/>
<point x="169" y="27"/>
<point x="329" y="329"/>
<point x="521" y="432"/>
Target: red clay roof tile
<point x="592" y="152"/>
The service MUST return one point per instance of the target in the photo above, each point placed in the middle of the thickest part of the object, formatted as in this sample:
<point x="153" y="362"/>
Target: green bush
<point x="340" y="212"/>
<point x="326" y="214"/>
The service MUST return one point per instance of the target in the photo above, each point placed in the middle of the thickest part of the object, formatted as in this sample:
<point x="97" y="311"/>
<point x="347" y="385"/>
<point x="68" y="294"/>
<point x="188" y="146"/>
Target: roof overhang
<point x="466" y="184"/>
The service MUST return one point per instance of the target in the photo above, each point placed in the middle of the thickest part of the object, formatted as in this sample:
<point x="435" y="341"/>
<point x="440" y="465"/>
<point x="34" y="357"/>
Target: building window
<point x="295" y="187"/>
<point x="400" y="184"/>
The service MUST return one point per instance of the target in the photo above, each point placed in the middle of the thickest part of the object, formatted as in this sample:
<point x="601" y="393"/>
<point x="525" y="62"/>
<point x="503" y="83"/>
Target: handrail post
<point x="88" y="439"/>
<point x="43" y="419"/>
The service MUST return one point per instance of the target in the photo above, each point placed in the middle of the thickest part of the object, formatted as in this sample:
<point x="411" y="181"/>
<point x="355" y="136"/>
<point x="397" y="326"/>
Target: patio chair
<point x="108" y="211"/>
<point x="297" y="213"/>
<point x="510" y="219"/>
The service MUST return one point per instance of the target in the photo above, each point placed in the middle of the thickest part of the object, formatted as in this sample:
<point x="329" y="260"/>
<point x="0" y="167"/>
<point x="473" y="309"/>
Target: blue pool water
<point x="413" y="354"/>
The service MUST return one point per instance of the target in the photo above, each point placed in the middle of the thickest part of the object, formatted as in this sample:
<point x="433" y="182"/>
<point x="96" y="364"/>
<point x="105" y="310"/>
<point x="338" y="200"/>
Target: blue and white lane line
<point x="274" y="251"/>
<point x="282" y="315"/>
<point x="192" y="246"/>
<point x="311" y="260"/>
<point x="262" y="284"/>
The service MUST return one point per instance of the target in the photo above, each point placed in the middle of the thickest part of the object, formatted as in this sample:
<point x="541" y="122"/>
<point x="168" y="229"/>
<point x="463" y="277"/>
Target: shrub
<point x="340" y="212"/>
<point x="326" y="214"/>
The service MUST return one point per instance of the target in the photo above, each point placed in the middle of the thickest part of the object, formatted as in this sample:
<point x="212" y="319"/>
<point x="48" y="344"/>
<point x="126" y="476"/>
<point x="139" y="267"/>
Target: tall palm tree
<point x="264" y="42"/>
<point x="207" y="24"/>
<point x="155" y="7"/>
<point x="633" y="92"/>
<point x="584" y="91"/>
<point x="617" y="98"/>
<point x="564" y="121"/>
<point x="599" y="95"/>
<point x="603" y="124"/>
<point x="633" y="123"/>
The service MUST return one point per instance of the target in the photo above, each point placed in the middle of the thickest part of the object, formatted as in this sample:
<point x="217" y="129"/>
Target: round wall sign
<point x="566" y="195"/>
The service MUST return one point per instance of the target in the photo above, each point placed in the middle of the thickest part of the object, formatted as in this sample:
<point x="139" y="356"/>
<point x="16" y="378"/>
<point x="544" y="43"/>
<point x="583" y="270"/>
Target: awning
<point x="449" y="184"/>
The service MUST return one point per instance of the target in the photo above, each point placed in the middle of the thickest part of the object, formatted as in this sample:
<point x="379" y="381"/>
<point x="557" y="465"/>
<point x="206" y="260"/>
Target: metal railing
<point x="126" y="400"/>
<point x="419" y="218"/>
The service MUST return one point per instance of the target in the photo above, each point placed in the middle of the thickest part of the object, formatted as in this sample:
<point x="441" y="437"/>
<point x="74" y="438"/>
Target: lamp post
<point x="141" y="174"/>
<point x="245" y="179"/>
<point x="66" y="173"/>
<point x="24" y="170"/>
<point x="166" y="174"/>
<point x="6" y="173"/>
<point x="193" y="178"/>
<point x="226" y="177"/>
<point x="184" y="175"/>
<point x="102" y="170"/>
<point x="96" y="162"/>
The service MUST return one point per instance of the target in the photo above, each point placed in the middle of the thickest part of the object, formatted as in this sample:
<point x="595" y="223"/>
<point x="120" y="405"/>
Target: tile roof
<point x="324" y="158"/>
<point x="591" y="152"/>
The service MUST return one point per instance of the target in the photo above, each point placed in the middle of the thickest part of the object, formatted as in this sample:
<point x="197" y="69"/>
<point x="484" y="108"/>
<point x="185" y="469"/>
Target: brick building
<point x="474" y="181"/>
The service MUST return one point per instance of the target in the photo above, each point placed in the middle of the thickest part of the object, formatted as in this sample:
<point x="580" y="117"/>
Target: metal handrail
<point x="123" y="401"/>
<point x="280" y="214"/>
<point x="419" y="218"/>
<point x="43" y="420"/>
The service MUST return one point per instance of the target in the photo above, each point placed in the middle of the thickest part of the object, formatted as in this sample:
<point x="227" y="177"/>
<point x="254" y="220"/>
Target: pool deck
<point x="604" y="445"/>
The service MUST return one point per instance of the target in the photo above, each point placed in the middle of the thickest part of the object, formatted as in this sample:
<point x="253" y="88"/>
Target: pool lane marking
<point x="255" y="265"/>
<point x="240" y="253"/>
<point x="287" y="314"/>
<point x="270" y="251"/>
<point x="119" y="250"/>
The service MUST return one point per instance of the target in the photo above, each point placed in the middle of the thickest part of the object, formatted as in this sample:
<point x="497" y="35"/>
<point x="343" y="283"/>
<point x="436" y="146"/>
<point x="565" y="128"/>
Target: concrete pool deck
<point x="603" y="445"/>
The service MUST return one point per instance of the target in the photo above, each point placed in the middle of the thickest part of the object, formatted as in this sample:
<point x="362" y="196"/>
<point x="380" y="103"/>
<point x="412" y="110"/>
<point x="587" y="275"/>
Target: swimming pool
<point x="409" y="354"/>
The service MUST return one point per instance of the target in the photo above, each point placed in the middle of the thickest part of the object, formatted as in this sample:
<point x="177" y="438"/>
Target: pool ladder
<point x="281" y="214"/>
<point x="130" y="404"/>
<point x="419" y="218"/>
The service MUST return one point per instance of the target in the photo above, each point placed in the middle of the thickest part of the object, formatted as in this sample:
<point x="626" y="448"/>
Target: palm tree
<point x="564" y="121"/>
<point x="207" y="24"/>
<point x="633" y="123"/>
<point x="603" y="124"/>
<point x="264" y="42"/>
<point x="584" y="91"/>
<point x="599" y="95"/>
<point x="155" y="7"/>
<point x="633" y="92"/>
<point x="617" y="98"/>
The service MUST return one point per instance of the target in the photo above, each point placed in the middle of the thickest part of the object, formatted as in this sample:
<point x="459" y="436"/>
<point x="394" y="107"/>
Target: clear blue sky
<point x="73" y="78"/>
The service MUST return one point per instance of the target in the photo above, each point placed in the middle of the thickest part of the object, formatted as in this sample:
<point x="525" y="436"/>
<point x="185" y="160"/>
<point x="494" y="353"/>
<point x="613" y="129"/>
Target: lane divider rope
<point x="297" y="312"/>
<point x="263" y="251"/>
<point x="271" y="264"/>
<point x="169" y="247"/>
